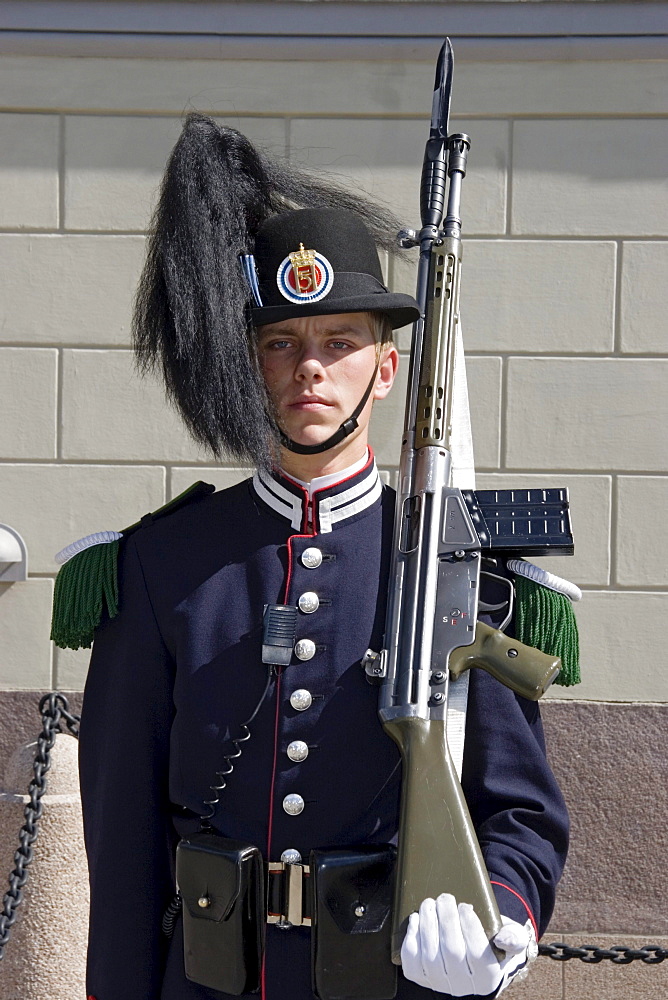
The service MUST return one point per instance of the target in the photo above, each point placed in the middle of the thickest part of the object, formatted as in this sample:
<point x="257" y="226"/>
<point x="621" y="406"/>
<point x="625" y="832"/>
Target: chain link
<point x="54" y="709"/>
<point x="650" y="954"/>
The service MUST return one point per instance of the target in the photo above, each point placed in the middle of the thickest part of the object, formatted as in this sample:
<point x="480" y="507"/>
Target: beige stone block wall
<point x="29" y="171"/>
<point x="620" y="654"/>
<point x="643" y="298"/>
<point x="110" y="412"/>
<point x="338" y="88"/>
<point x="535" y="296"/>
<point x="573" y="178"/>
<point x="562" y="297"/>
<point x="25" y="652"/>
<point x="595" y="413"/>
<point x="113" y="165"/>
<point x="64" y="289"/>
<point x="384" y="156"/>
<point x="28" y="392"/>
<point x="642" y="500"/>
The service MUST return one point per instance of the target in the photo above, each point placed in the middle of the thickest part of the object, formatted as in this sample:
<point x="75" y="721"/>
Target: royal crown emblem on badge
<point x="305" y="276"/>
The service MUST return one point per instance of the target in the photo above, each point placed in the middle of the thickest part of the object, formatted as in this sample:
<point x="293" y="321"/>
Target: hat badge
<point x="305" y="276"/>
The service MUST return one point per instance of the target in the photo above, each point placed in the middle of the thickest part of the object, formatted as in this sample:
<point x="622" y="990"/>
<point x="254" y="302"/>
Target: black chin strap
<point x="346" y="428"/>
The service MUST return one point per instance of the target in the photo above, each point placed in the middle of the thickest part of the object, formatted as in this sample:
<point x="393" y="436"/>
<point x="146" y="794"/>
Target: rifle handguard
<point x="526" y="670"/>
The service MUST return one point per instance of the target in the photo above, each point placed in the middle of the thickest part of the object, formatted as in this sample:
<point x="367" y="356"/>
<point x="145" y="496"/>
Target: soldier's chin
<point x="310" y="435"/>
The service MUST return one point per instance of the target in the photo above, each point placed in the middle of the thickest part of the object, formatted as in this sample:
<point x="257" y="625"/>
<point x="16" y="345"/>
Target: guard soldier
<point x="262" y="302"/>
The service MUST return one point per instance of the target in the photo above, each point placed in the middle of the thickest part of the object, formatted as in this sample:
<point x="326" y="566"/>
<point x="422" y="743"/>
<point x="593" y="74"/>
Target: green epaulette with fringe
<point x="87" y="583"/>
<point x="544" y="617"/>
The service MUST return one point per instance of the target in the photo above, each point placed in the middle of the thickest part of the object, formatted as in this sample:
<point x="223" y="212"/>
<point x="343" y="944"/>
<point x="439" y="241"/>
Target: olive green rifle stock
<point x="431" y="632"/>
<point x="438" y="848"/>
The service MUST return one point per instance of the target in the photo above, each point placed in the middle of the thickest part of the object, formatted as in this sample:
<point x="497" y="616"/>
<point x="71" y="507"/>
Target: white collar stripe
<point x="354" y="508"/>
<point x="355" y="491"/>
<point x="279" y="490"/>
<point x="330" y="510"/>
<point x="293" y="510"/>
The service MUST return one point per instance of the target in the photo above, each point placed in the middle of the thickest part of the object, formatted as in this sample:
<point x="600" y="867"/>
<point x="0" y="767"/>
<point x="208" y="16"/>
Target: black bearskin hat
<point x="227" y="212"/>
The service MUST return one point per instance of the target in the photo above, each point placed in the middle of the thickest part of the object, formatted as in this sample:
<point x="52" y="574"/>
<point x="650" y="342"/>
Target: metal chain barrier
<point x="650" y="954"/>
<point x="54" y="709"/>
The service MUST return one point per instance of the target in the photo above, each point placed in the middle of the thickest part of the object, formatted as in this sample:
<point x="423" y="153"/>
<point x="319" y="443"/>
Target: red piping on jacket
<point x="278" y="703"/>
<point x="270" y="823"/>
<point x="310" y="501"/>
<point x="288" y="581"/>
<point x="523" y="902"/>
<point x="307" y="502"/>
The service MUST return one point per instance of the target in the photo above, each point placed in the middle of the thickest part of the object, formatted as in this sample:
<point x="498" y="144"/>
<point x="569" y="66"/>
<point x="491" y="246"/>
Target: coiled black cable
<point x="171" y="913"/>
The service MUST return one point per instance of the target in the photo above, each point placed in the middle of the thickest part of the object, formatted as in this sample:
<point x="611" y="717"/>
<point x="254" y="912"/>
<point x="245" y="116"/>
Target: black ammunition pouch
<point x="344" y="894"/>
<point x="352" y="926"/>
<point x="221" y="882"/>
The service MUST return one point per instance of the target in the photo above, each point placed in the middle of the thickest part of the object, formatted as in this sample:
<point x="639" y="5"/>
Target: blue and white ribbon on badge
<point x="305" y="276"/>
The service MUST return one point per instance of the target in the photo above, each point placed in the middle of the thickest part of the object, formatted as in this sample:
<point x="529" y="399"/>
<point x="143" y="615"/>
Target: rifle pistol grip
<point x="526" y="670"/>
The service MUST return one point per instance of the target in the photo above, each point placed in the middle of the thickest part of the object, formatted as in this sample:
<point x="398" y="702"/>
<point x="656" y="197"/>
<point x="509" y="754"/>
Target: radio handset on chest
<point x="279" y="632"/>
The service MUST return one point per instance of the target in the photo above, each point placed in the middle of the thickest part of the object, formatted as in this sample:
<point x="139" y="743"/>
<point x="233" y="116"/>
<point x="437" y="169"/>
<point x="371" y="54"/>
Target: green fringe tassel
<point x="545" y="620"/>
<point x="87" y="585"/>
<point x="84" y="586"/>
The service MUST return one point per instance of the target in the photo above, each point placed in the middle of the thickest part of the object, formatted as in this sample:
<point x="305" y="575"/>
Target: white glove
<point x="446" y="949"/>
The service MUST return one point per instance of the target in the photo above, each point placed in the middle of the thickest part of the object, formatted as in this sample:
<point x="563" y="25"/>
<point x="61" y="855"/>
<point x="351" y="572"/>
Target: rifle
<point x="441" y="535"/>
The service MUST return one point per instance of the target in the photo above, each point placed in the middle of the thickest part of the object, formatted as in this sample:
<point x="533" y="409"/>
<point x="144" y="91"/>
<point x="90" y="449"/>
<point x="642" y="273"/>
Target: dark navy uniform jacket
<point x="177" y="672"/>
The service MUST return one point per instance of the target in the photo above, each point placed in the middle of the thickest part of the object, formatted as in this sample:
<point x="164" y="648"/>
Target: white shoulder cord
<point x="522" y="567"/>
<point x="463" y="477"/>
<point x="74" y="548"/>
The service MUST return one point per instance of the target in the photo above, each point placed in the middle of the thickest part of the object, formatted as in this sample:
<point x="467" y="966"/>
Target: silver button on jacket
<point x="311" y="557"/>
<point x="305" y="649"/>
<point x="309" y="602"/>
<point x="297" y="750"/>
<point x="301" y="699"/>
<point x="291" y="856"/>
<point x="293" y="804"/>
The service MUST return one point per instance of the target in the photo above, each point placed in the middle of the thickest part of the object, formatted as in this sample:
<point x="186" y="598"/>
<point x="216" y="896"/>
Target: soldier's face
<point x="317" y="369"/>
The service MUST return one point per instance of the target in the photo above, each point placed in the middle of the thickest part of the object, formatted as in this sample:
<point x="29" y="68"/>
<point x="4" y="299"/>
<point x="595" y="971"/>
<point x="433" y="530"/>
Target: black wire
<point x="228" y="766"/>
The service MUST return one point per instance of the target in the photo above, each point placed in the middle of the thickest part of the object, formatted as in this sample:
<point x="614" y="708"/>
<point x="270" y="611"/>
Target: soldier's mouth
<point x="309" y="403"/>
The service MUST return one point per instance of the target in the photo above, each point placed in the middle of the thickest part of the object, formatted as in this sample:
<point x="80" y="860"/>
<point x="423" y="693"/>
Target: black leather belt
<point x="289" y="895"/>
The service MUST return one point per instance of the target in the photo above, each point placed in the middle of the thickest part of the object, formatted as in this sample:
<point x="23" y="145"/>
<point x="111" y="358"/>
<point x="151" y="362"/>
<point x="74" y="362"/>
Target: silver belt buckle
<point x="294" y="917"/>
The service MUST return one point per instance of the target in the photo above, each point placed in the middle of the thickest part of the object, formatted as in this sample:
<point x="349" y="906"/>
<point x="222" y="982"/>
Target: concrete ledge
<point x="328" y="48"/>
<point x="333" y="30"/>
<point x="610" y="762"/>
<point x="286" y="17"/>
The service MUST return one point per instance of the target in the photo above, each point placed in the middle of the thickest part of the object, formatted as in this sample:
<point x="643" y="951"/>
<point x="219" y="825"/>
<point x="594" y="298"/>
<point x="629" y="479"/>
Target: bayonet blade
<point x="440" y="107"/>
